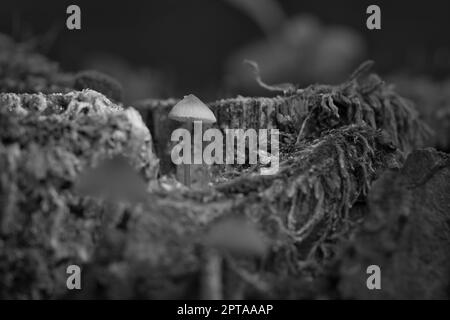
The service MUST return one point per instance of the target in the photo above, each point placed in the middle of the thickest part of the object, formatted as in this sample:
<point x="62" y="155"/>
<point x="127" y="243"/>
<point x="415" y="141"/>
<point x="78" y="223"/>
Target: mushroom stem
<point x="187" y="166"/>
<point x="201" y="169"/>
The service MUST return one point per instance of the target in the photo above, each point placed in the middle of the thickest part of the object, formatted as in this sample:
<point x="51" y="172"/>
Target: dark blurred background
<point x="158" y="49"/>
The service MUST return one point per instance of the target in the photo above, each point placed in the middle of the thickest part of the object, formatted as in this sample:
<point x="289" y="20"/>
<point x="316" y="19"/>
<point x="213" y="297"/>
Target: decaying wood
<point x="306" y="114"/>
<point x="336" y="141"/>
<point x="46" y="141"/>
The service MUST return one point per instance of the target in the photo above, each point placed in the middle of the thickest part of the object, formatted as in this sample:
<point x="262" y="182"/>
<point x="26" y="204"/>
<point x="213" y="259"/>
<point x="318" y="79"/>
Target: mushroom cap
<point x="192" y="108"/>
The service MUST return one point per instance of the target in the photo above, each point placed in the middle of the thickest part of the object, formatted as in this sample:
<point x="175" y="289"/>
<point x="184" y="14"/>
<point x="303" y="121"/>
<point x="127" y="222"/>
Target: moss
<point x="46" y="141"/>
<point x="100" y="82"/>
<point x="307" y="113"/>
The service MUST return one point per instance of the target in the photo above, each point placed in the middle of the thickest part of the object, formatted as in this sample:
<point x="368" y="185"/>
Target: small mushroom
<point x="191" y="110"/>
<point x="233" y="236"/>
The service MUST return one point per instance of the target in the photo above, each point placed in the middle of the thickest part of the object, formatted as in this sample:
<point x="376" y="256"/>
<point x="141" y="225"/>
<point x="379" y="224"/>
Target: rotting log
<point x="302" y="211"/>
<point x="30" y="118"/>
<point x="363" y="100"/>
<point x="349" y="134"/>
<point x="46" y="141"/>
